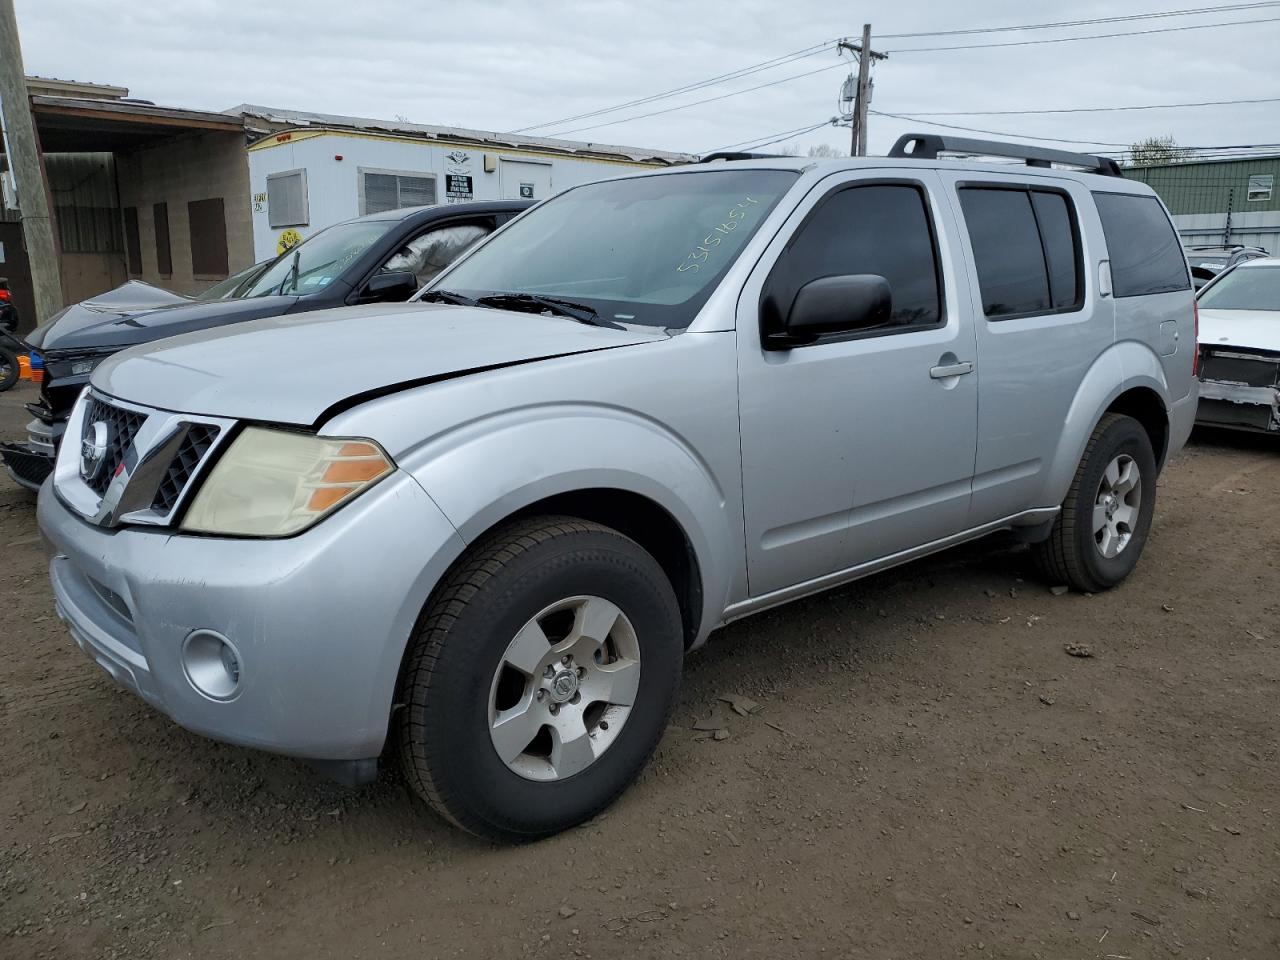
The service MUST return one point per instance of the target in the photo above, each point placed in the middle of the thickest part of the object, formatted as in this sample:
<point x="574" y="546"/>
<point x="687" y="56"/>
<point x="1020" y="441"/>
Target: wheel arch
<point x="1128" y="378"/>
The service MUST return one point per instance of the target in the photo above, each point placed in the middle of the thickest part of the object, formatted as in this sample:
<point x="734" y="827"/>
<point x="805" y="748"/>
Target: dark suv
<point x="383" y="257"/>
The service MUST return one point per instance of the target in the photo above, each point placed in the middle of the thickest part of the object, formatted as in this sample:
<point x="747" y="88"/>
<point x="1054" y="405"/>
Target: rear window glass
<point x="1146" y="256"/>
<point x="1059" y="237"/>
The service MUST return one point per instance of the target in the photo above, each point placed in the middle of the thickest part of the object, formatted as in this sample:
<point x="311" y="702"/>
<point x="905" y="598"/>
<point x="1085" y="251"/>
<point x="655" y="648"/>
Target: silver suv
<point x="643" y="409"/>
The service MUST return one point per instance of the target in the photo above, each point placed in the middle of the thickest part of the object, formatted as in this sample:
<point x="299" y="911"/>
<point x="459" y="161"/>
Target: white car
<point x="1240" y="347"/>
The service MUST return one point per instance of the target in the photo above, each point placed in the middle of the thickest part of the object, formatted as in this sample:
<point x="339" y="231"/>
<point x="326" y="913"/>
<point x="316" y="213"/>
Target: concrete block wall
<point x="196" y="166"/>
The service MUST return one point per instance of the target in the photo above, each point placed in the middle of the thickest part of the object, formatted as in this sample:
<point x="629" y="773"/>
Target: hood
<point x="293" y="369"/>
<point x="137" y="312"/>
<point x="1247" y="329"/>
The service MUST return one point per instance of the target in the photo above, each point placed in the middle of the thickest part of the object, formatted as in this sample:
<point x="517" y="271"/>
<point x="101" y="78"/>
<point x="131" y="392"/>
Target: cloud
<point x="501" y="64"/>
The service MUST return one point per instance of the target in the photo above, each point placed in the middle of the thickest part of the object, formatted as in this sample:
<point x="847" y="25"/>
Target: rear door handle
<point x="942" y="371"/>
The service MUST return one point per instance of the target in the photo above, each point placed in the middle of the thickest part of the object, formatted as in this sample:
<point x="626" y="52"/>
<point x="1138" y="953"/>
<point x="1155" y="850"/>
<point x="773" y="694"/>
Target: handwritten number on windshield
<point x="702" y="253"/>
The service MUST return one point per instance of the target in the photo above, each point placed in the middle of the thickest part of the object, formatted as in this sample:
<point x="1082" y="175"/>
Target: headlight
<point x="271" y="483"/>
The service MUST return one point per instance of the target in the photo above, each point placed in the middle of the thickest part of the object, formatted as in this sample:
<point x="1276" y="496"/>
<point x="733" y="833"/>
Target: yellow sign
<point x="288" y="240"/>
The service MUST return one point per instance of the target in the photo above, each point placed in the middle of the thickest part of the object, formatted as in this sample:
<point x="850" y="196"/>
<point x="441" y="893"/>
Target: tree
<point x="1155" y="151"/>
<point x="825" y="151"/>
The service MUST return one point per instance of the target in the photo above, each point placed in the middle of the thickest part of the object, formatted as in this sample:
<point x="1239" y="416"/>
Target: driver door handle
<point x="945" y="370"/>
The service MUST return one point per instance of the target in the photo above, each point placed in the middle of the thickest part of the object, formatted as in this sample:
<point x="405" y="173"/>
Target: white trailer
<point x="308" y="171"/>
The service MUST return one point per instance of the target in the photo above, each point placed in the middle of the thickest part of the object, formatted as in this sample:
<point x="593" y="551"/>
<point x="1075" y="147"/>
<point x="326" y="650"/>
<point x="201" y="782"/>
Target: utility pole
<point x="864" y="53"/>
<point x="23" y="152"/>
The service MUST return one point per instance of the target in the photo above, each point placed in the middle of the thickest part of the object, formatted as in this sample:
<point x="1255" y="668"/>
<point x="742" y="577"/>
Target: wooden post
<point x="23" y="151"/>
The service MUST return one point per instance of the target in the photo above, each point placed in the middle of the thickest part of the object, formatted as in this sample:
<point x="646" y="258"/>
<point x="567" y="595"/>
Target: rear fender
<point x="1122" y="367"/>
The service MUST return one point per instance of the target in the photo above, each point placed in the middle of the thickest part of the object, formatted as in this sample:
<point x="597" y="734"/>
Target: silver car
<point x="645" y="408"/>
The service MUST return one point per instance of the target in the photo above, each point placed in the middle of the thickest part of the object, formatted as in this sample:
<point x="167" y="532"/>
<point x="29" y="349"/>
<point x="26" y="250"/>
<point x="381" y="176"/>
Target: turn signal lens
<point x="272" y="483"/>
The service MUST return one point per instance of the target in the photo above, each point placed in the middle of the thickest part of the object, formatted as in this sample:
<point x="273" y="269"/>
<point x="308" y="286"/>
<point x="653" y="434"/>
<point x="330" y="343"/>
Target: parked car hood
<point x="292" y="369"/>
<point x="137" y="312"/>
<point x="1249" y="329"/>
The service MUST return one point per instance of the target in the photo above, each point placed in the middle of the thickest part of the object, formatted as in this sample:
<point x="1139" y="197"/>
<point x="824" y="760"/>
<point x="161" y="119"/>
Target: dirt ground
<point x="931" y="775"/>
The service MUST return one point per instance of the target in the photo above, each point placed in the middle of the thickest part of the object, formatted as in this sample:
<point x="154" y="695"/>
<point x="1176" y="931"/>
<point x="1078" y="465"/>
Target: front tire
<point x="1099" y="534"/>
<point x="540" y="679"/>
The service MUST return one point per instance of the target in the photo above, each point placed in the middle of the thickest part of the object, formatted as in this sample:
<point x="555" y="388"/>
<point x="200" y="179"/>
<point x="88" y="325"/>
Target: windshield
<point x="317" y="261"/>
<point x="228" y="289"/>
<point x="646" y="250"/>
<point x="1246" y="288"/>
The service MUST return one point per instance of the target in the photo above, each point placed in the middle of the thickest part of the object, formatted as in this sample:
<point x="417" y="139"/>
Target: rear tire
<point x="1099" y="534"/>
<point x="540" y="680"/>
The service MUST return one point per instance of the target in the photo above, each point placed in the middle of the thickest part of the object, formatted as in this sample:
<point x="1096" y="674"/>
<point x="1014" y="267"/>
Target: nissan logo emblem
<point x="93" y="449"/>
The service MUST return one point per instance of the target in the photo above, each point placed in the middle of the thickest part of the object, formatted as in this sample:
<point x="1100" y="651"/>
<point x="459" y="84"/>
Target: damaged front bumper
<point x="29" y="462"/>
<point x="1240" y="390"/>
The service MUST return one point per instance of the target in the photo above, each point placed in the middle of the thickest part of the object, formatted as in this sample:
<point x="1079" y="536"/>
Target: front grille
<point x="122" y="427"/>
<point x="195" y="445"/>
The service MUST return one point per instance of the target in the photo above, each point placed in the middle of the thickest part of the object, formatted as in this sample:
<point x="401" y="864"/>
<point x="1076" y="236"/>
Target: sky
<point x="503" y="65"/>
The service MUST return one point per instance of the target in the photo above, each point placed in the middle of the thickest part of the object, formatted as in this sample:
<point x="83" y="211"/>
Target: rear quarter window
<point x="1146" y="256"/>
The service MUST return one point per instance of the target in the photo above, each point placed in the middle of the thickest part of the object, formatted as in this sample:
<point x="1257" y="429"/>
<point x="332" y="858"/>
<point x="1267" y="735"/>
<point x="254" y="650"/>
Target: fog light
<point x="212" y="664"/>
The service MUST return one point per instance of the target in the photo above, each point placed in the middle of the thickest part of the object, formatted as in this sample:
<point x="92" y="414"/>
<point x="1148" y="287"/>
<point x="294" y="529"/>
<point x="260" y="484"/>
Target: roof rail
<point x="927" y="146"/>
<point x="730" y="155"/>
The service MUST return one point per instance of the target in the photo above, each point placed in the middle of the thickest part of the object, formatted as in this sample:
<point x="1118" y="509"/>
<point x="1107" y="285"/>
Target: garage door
<point x="523" y="180"/>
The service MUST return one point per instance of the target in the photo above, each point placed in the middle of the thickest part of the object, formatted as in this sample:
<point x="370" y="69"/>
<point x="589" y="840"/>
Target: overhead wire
<point x="1064" y="24"/>
<point x="696" y="85"/>
<point x="1089" y="36"/>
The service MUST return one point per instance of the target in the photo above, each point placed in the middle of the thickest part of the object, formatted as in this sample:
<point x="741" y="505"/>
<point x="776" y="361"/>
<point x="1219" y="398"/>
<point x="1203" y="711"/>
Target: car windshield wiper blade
<point x="447" y="296"/>
<point x="564" y="308"/>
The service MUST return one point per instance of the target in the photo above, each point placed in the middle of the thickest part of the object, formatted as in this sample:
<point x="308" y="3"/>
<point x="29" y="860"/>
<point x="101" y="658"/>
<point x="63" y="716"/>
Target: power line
<point x="694" y="103"/>
<point x="1145" y="106"/>
<point x="995" y="133"/>
<point x="1191" y="11"/>
<point x="1090" y="36"/>
<point x="687" y="88"/>
<point x="776" y="138"/>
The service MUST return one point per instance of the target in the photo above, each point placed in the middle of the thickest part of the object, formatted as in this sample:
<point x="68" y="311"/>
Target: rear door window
<point x="1026" y="248"/>
<point x="1142" y="245"/>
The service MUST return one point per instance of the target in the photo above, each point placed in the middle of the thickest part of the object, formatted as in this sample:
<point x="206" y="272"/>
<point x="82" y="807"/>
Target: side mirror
<point x="390" y="287"/>
<point x="839" y="305"/>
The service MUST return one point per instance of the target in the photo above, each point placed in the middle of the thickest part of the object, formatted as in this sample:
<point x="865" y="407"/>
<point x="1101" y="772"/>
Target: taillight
<point x="5" y="295"/>
<point x="1195" y="333"/>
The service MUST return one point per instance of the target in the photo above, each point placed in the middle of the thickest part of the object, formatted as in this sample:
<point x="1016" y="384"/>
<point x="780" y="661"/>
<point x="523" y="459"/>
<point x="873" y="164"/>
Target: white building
<point x="308" y="171"/>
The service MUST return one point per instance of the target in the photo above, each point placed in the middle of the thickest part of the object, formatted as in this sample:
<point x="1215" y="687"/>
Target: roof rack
<point x="927" y="146"/>
<point x="731" y="155"/>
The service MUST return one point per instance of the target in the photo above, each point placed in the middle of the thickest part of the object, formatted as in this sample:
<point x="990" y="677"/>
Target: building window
<point x="208" y="228"/>
<point x="1260" y="186"/>
<point x="164" y="255"/>
<point x="287" y="199"/>
<point x="382" y="190"/>
<point x="132" y="244"/>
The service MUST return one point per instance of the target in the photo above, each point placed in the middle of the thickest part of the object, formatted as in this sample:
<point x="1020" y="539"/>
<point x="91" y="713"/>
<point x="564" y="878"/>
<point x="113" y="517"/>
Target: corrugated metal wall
<point x="1210" y="200"/>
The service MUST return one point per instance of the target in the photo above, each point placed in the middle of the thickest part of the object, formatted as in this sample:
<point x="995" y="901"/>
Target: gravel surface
<point x="948" y="760"/>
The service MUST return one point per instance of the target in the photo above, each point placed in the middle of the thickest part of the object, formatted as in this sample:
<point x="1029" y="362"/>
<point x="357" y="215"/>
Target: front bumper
<point x="320" y="621"/>
<point x="29" y="463"/>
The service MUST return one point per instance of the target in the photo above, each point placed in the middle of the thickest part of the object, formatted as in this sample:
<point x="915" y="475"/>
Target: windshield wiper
<point x="564" y="308"/>
<point x="292" y="274"/>
<point x="446" y="296"/>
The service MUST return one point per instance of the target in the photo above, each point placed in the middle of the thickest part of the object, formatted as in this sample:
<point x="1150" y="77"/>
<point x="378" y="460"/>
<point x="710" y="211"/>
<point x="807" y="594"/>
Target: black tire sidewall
<point x="471" y="777"/>
<point x="8" y="379"/>
<point x="1124" y="436"/>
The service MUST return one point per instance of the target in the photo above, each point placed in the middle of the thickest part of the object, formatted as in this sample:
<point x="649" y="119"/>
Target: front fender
<point x="488" y="469"/>
<point x="1121" y="367"/>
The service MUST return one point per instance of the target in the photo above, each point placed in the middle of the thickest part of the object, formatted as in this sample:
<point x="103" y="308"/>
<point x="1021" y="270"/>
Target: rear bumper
<point x="319" y="621"/>
<point x="1182" y="417"/>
